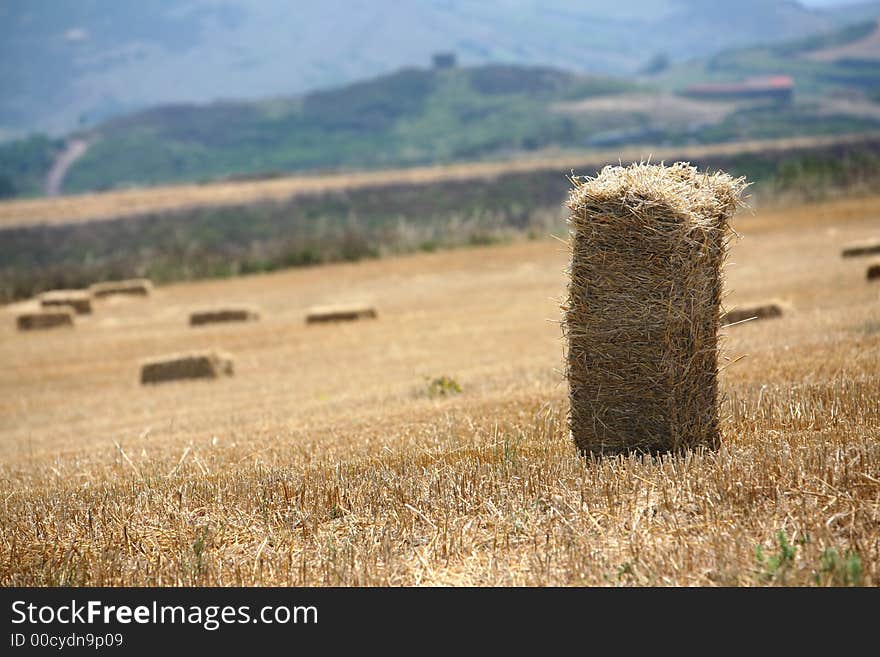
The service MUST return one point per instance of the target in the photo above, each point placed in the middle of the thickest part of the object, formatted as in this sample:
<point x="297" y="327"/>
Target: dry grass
<point x="323" y="462"/>
<point x="115" y="204"/>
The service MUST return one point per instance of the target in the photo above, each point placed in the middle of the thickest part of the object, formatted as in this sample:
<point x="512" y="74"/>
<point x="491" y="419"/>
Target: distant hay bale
<point x="175" y="367"/>
<point x="79" y="300"/>
<point x="641" y="320"/>
<point x="221" y="315"/>
<point x="44" y="320"/>
<point x="340" y="313"/>
<point x="139" y="287"/>
<point x="867" y="247"/>
<point x="873" y="272"/>
<point x="755" y="311"/>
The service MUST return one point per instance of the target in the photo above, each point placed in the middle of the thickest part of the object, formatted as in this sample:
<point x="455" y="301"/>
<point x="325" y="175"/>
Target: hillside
<point x="841" y="61"/>
<point x="72" y="64"/>
<point x="413" y="116"/>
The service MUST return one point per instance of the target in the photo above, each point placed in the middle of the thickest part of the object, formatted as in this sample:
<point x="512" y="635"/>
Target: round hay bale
<point x="642" y="315"/>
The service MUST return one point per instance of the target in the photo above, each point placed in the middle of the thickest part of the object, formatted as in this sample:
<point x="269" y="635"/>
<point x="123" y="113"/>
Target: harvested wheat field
<point x="329" y="458"/>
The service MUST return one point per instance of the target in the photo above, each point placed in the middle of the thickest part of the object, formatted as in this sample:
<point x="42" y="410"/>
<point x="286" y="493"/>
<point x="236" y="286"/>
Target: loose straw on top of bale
<point x="221" y="315"/>
<point x="641" y="321"/>
<point x="44" y="320"/>
<point x="339" y="313"/>
<point x="141" y="287"/>
<point x="197" y="365"/>
<point x="754" y="311"/>
<point x="79" y="300"/>
<point x="867" y="247"/>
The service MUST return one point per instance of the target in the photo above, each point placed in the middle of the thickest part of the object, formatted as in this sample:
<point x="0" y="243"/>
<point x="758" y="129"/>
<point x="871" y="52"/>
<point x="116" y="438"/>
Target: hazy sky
<point x="827" y="3"/>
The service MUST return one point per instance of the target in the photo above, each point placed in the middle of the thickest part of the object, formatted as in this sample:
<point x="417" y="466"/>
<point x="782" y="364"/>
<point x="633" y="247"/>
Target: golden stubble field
<point x="324" y="461"/>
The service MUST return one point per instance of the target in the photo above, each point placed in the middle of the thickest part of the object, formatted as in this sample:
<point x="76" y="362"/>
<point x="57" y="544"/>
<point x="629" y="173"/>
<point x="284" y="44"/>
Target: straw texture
<point x="339" y="313"/>
<point x="199" y="365"/>
<point x="223" y="315"/>
<point x="856" y="249"/>
<point x="79" y="300"/>
<point x="44" y="320"/>
<point x="641" y="320"/>
<point x="140" y="287"/>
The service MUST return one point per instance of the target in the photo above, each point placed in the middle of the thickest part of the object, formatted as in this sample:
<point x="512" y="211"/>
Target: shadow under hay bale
<point x="137" y="287"/>
<point x="321" y="314"/>
<point x="177" y="367"/>
<point x="873" y="273"/>
<point x="44" y="320"/>
<point x="754" y="312"/>
<point x="856" y="249"/>
<point x="642" y="315"/>
<point x="223" y="315"/>
<point x="79" y="300"/>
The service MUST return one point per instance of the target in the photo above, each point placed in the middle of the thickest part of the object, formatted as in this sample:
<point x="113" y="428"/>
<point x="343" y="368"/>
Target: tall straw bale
<point x="641" y="320"/>
<point x="754" y="311"/>
<point x="138" y="287"/>
<point x="79" y="300"/>
<point x="873" y="272"/>
<point x="340" y="313"/>
<point x="221" y="315"/>
<point x="867" y="247"/>
<point x="197" y="365"/>
<point x="44" y="320"/>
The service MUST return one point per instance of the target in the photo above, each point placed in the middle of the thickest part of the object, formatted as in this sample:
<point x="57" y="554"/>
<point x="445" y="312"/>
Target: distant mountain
<point x="70" y="64"/>
<point x="412" y="116"/>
